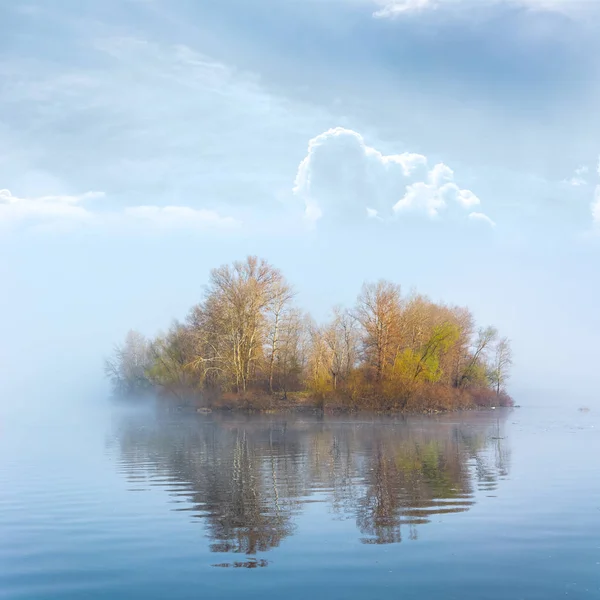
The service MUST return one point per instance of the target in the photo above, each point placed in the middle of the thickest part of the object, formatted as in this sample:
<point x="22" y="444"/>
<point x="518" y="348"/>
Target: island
<point x="247" y="346"/>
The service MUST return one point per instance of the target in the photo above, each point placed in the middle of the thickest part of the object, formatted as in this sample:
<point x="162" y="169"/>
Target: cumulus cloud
<point x="179" y="217"/>
<point x="342" y="177"/>
<point x="421" y="196"/>
<point x="436" y="193"/>
<point x="482" y="217"/>
<point x="339" y="164"/>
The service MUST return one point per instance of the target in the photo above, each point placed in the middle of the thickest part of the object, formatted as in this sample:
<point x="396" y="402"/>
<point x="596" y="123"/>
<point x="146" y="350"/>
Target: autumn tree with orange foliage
<point x="248" y="343"/>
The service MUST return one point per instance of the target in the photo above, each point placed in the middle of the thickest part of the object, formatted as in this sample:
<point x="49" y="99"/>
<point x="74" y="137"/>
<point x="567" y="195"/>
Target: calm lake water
<point x="129" y="504"/>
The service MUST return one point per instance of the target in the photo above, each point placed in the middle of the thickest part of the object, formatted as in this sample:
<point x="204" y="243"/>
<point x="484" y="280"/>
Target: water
<point x="499" y="504"/>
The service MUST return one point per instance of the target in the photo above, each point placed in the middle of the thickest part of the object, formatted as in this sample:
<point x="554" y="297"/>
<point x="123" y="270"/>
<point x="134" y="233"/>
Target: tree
<point x="502" y="361"/>
<point x="282" y="297"/>
<point x="459" y="355"/>
<point x="442" y="337"/>
<point x="318" y="368"/>
<point x="171" y="355"/>
<point x="246" y="339"/>
<point x="291" y="359"/>
<point x="128" y="367"/>
<point x="378" y="311"/>
<point x="231" y="324"/>
<point x="341" y="338"/>
<point x="474" y="367"/>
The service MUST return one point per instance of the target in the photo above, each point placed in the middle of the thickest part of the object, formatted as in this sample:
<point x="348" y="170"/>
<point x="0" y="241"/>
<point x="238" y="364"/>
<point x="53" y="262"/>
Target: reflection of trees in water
<point x="408" y="482"/>
<point x="249" y="501"/>
<point x="390" y="475"/>
<point x="248" y="478"/>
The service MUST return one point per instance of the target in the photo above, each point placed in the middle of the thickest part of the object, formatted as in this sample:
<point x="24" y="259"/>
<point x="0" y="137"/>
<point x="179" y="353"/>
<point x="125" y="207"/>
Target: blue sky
<point x="451" y="146"/>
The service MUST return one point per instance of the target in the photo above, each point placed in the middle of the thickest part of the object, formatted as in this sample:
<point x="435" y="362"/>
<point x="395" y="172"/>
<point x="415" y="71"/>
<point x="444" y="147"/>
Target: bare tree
<point x="341" y="337"/>
<point x="282" y="297"/>
<point x="486" y="336"/>
<point x="378" y="311"/>
<point x="501" y="364"/>
<point x="232" y="323"/>
<point x="292" y="353"/>
<point x="128" y="367"/>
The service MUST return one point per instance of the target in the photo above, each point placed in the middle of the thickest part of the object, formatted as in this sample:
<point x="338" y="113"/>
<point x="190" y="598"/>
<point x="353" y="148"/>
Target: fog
<point x="71" y="299"/>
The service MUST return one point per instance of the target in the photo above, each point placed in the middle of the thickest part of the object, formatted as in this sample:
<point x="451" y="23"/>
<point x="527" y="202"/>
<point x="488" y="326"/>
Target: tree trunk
<point x="273" y="352"/>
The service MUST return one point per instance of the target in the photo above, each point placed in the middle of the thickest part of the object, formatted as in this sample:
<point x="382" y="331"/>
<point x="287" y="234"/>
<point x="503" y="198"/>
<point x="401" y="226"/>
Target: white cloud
<point x="342" y="177"/>
<point x="6" y="197"/>
<point x="578" y="178"/>
<point x="422" y="196"/>
<point x="341" y="157"/>
<point x="436" y="193"/>
<point x="179" y="217"/>
<point x="477" y="216"/>
<point x="373" y="214"/>
<point x="440" y="175"/>
<point x="14" y="209"/>
<point x="60" y="212"/>
<point x="466" y="198"/>
<point x="393" y="8"/>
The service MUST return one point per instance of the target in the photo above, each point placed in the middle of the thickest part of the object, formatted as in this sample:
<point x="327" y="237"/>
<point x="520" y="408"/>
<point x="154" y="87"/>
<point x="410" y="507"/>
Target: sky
<point x="448" y="145"/>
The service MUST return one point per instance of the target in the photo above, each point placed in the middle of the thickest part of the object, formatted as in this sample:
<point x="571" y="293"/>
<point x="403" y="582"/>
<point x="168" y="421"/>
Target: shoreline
<point x="439" y="400"/>
<point x="315" y="409"/>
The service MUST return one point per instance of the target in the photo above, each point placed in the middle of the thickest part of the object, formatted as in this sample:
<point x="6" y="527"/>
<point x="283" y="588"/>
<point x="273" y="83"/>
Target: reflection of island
<point x="246" y="479"/>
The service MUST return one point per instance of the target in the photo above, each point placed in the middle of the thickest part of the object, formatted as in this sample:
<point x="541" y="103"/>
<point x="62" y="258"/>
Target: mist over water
<point x="121" y="501"/>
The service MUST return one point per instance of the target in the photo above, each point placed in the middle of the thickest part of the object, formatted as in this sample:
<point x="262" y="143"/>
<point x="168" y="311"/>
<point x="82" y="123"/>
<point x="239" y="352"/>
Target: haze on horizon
<point x="449" y="146"/>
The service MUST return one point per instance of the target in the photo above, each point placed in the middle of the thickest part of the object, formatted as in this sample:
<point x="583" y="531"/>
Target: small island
<point x="247" y="346"/>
